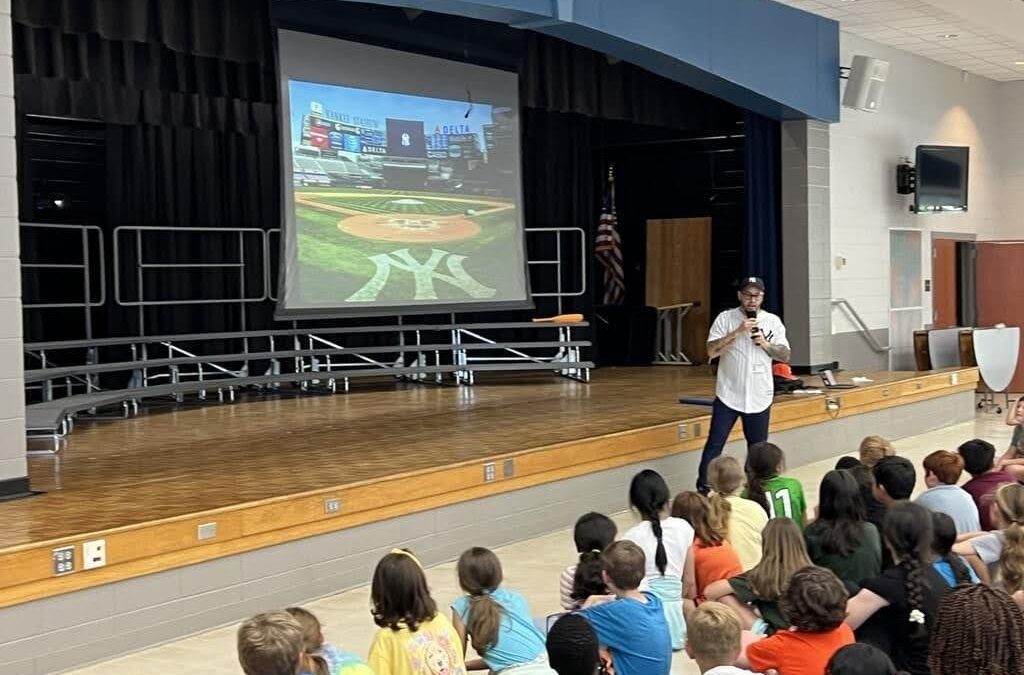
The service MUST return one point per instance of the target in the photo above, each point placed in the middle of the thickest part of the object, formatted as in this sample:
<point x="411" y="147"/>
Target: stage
<point x="263" y="470"/>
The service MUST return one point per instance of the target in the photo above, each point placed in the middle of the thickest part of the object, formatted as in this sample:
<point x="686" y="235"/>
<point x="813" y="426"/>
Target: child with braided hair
<point x="497" y="620"/>
<point x="895" y="611"/>
<point x="979" y="631"/>
<point x="667" y="544"/>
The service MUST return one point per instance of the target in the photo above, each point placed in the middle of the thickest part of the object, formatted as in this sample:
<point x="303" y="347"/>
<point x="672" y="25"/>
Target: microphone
<point x="751" y="314"/>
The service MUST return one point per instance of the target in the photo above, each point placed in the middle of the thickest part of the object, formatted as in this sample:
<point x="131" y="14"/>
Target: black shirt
<point x="890" y="628"/>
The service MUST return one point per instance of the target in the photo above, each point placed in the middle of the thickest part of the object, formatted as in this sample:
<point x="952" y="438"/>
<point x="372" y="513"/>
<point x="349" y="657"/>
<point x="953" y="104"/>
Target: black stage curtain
<point x="187" y="93"/>
<point x="764" y="219"/>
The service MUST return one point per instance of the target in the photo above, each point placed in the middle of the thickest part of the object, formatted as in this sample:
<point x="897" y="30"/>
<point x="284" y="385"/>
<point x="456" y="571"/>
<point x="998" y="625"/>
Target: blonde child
<point x="761" y="588"/>
<point x="743" y="519"/>
<point x="270" y="644"/>
<point x="714" y="639"/>
<point x="874" y="448"/>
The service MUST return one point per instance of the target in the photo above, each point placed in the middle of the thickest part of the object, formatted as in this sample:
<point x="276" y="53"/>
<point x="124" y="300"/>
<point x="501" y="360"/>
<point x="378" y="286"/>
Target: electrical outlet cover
<point x="63" y="560"/>
<point x="94" y="554"/>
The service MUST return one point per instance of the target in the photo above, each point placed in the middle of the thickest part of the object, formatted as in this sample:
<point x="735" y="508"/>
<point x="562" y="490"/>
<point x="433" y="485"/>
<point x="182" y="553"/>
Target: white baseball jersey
<point x="745" y="379"/>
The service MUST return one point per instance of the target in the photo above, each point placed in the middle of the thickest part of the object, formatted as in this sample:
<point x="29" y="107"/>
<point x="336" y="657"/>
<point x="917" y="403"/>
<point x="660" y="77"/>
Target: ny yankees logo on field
<point x="424" y="275"/>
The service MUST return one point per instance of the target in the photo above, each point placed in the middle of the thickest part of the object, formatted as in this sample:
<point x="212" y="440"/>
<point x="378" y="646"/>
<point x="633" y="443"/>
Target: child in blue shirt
<point x="632" y="625"/>
<point x="952" y="568"/>
<point x="495" y="619"/>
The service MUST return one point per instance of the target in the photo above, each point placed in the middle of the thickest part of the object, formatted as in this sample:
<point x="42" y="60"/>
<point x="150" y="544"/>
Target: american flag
<point x="608" y="248"/>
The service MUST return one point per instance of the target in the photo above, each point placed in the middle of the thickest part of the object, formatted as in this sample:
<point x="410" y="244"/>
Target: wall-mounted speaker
<point x="866" y="83"/>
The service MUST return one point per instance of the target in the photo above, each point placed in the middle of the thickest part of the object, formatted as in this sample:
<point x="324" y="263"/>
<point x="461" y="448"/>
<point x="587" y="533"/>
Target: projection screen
<point x="402" y="190"/>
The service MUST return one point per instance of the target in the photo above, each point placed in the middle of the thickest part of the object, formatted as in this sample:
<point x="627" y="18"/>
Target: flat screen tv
<point x="941" y="178"/>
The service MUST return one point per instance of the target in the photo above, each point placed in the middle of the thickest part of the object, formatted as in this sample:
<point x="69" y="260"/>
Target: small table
<point x="668" y="342"/>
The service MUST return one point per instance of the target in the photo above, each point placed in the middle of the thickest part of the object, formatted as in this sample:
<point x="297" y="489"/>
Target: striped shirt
<point x="565" y="589"/>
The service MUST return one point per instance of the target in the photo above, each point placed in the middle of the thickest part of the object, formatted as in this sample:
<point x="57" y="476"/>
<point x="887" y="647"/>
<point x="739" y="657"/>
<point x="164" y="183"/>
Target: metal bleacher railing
<point x="170" y="367"/>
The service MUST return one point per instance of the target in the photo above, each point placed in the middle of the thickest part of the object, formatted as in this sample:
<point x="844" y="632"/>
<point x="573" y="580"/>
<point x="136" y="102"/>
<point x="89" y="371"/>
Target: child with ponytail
<point x="667" y="544"/>
<point x="780" y="496"/>
<point x="953" y="569"/>
<point x="743" y="519"/>
<point x="714" y="558"/>
<point x="895" y="611"/>
<point x="592" y="534"/>
<point x="496" y="620"/>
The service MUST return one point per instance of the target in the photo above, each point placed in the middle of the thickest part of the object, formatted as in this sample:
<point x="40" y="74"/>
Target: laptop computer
<point x="829" y="380"/>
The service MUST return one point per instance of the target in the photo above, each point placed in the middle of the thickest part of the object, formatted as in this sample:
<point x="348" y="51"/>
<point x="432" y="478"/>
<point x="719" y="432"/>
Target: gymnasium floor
<point x="531" y="567"/>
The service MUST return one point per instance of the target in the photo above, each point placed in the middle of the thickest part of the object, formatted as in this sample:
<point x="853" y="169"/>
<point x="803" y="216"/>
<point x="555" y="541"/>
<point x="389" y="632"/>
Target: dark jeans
<point x="723" y="418"/>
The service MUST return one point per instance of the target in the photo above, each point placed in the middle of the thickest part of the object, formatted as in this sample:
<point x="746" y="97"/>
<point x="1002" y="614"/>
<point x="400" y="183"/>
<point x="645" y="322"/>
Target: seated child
<point x="951" y="567"/>
<point x="977" y="632"/>
<point x="744" y="520"/>
<point x="497" y="620"/>
<point x="572" y="647"/>
<point x="874" y="448"/>
<point x="814" y="603"/>
<point x="1012" y="461"/>
<point x="633" y="625"/>
<point x="270" y="644"/>
<point x="860" y="658"/>
<point x="713" y="639"/>
<point x="714" y="558"/>
<point x="319" y="658"/>
<point x="592" y="534"/>
<point x="780" y="496"/>
<point x="414" y="638"/>
<point x="761" y="588"/>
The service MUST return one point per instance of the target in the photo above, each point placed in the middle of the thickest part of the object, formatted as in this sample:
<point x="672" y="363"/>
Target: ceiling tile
<point x="916" y="27"/>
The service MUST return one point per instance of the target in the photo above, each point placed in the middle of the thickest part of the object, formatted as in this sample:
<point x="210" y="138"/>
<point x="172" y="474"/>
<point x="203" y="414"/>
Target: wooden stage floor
<point x="263" y="467"/>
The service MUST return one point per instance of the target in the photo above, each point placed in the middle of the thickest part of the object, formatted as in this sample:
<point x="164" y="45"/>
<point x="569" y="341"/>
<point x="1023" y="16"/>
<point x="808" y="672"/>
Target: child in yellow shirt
<point x="414" y="639"/>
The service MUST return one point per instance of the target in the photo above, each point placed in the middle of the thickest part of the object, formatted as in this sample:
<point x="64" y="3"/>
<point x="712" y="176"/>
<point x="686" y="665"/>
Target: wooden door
<point x="1000" y="280"/>
<point x="944" y="298"/>
<point x="678" y="270"/>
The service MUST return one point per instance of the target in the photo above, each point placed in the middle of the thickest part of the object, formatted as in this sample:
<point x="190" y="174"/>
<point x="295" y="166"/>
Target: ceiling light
<point x="949" y="36"/>
<point x="1018" y="63"/>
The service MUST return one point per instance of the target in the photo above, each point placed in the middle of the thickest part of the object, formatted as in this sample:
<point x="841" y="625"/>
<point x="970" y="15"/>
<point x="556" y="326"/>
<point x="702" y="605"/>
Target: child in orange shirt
<point x="814" y="602"/>
<point x="714" y="558"/>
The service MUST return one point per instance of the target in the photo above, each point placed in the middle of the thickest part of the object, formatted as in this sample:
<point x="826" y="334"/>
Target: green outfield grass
<point x="335" y="264"/>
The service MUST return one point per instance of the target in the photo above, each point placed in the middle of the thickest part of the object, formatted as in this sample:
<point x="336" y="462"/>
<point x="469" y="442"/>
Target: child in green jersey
<point x="780" y="496"/>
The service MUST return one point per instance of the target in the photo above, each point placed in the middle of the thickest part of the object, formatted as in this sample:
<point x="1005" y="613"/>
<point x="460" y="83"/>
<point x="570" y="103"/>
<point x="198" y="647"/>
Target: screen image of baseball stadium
<point x="403" y="200"/>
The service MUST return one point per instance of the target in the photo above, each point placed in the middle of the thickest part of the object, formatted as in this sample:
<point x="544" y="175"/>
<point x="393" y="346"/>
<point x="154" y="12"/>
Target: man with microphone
<point x="747" y="340"/>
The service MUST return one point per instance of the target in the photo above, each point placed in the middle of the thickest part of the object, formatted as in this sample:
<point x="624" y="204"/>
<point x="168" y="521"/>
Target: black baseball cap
<point x="756" y="282"/>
